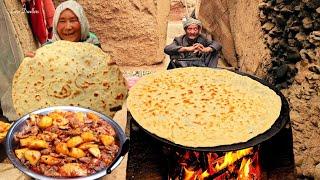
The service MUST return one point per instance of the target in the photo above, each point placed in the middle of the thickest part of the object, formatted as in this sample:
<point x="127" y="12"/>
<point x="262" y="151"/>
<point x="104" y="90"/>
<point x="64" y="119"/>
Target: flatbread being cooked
<point x="68" y="73"/>
<point x="203" y="107"/>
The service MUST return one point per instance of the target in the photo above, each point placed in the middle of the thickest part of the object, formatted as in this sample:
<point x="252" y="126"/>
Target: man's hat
<point x="188" y="21"/>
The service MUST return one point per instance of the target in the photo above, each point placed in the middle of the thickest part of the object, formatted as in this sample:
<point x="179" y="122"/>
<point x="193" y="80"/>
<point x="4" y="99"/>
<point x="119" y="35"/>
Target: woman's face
<point x="69" y="27"/>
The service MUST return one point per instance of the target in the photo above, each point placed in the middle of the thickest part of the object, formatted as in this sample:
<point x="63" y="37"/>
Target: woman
<point x="71" y="24"/>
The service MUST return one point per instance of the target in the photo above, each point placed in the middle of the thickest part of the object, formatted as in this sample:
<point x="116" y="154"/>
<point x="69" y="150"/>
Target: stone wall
<point x="292" y="34"/>
<point x="235" y="24"/>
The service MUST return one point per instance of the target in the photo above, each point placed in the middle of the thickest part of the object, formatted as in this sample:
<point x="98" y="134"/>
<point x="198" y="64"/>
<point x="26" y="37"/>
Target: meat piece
<point x="74" y="132"/>
<point x="56" y="141"/>
<point x="74" y="122"/>
<point x="97" y="164"/>
<point x="85" y="160"/>
<point x="53" y="129"/>
<point x="70" y="159"/>
<point x="34" y="130"/>
<point x="88" y="121"/>
<point x="112" y="149"/>
<point x="24" y="133"/>
<point x="52" y="171"/>
<point x="45" y="151"/>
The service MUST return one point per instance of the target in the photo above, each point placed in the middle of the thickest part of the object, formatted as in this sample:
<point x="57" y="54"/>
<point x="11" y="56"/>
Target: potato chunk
<point x="106" y="139"/>
<point x="88" y="136"/>
<point x="32" y="156"/>
<point x="80" y="116"/>
<point x="92" y="116"/>
<point x="20" y="152"/>
<point x="87" y="145"/>
<point x="74" y="141"/>
<point x="50" y="160"/>
<point x="73" y="169"/>
<point x="45" y="122"/>
<point x="95" y="151"/>
<point x="62" y="148"/>
<point x="77" y="153"/>
<point x="27" y="141"/>
<point x="38" y="144"/>
<point x="58" y="119"/>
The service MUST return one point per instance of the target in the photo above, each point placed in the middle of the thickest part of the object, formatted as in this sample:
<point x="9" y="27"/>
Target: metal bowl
<point x="11" y="144"/>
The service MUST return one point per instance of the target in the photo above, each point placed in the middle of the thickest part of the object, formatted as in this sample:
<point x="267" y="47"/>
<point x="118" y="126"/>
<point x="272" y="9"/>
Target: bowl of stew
<point x="66" y="142"/>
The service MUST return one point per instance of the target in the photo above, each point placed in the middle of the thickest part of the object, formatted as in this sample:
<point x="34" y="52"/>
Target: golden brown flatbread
<point x="203" y="107"/>
<point x="68" y="73"/>
<point x="4" y="128"/>
<point x="8" y="171"/>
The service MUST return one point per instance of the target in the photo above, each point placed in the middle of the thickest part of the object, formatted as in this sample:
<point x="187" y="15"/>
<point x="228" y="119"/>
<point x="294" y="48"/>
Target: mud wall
<point x="236" y="25"/>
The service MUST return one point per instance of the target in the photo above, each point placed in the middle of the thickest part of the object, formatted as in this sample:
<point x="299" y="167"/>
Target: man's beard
<point x="191" y="41"/>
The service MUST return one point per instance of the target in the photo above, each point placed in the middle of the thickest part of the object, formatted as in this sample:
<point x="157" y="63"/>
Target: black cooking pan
<point x="282" y="120"/>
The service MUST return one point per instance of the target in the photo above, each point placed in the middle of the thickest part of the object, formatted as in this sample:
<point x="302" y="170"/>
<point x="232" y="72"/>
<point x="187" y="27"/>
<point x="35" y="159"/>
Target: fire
<point x="244" y="169"/>
<point x="195" y="175"/>
<point x="232" y="157"/>
<point x="241" y="165"/>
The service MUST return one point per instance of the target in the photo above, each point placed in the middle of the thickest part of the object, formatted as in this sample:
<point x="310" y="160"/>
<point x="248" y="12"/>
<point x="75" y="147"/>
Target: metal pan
<point x="282" y="120"/>
<point x="11" y="144"/>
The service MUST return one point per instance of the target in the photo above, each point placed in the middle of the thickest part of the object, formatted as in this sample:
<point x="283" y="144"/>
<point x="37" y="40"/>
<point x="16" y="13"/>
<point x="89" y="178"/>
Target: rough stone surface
<point x="235" y="24"/>
<point x="304" y="100"/>
<point x="252" y="53"/>
<point x="215" y="18"/>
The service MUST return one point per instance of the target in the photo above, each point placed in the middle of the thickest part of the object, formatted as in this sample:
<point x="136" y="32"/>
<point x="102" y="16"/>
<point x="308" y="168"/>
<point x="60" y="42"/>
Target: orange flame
<point x="244" y="169"/>
<point x="249" y="168"/>
<point x="231" y="157"/>
<point x="204" y="175"/>
<point x="189" y="174"/>
<point x="195" y="175"/>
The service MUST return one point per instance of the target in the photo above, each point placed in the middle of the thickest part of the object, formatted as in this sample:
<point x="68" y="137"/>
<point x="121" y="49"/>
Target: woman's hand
<point x="30" y="54"/>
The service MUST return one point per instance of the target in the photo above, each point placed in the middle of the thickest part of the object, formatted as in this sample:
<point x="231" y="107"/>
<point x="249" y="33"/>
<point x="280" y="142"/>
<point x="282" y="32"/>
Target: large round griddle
<point x="282" y="120"/>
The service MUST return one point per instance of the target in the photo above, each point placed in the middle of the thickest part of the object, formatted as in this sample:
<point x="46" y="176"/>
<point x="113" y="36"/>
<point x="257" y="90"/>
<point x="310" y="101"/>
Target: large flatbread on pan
<point x="203" y="107"/>
<point x="68" y="73"/>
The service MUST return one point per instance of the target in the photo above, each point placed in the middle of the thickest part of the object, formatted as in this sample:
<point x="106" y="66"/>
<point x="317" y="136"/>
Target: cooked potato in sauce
<point x="66" y="144"/>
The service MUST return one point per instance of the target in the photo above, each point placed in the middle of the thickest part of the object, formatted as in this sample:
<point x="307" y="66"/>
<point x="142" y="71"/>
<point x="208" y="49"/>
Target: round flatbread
<point x="203" y="107"/>
<point x="68" y="73"/>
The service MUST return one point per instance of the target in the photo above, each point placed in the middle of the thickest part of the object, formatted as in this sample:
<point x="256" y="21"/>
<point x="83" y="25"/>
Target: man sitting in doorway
<point x="192" y="48"/>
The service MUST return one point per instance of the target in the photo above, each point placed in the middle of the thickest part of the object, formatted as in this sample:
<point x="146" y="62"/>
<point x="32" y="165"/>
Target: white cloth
<point x="188" y="21"/>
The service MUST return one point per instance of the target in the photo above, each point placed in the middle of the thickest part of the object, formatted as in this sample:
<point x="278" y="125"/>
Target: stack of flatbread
<point x="68" y="73"/>
<point x="203" y="107"/>
<point x="8" y="171"/>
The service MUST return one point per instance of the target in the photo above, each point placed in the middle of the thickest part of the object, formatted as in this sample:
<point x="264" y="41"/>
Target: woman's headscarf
<point x="77" y="9"/>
